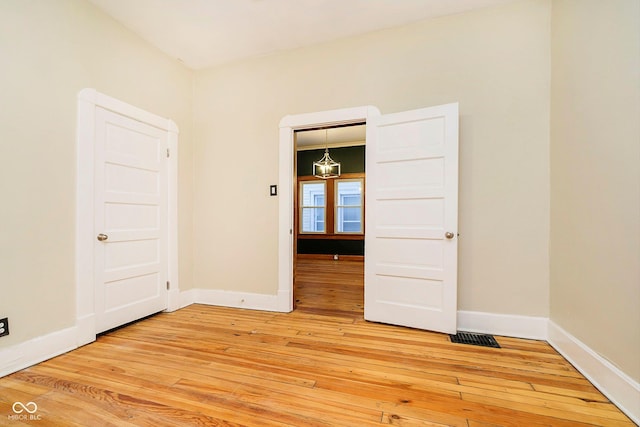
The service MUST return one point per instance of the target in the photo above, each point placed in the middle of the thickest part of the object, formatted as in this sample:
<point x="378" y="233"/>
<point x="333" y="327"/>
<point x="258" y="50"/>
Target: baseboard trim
<point x="85" y="330"/>
<point x="36" y="350"/>
<point x="509" y="325"/>
<point x="622" y="390"/>
<point x="188" y="297"/>
<point x="174" y="300"/>
<point x="330" y="257"/>
<point x="252" y="301"/>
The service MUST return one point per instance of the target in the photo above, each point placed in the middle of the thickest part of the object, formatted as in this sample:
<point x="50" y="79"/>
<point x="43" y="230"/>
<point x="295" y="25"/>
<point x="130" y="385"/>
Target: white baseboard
<point x="36" y="350"/>
<point x="509" y="325"/>
<point x="188" y="297"/>
<point x="85" y="330"/>
<point x="622" y="390"/>
<point x="174" y="300"/>
<point x="279" y="302"/>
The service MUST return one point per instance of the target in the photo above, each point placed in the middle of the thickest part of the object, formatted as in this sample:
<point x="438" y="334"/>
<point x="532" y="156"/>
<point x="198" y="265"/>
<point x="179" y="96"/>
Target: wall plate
<point x="4" y="327"/>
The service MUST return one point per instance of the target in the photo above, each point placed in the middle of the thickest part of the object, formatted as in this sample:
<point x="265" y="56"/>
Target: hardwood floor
<point x="321" y="365"/>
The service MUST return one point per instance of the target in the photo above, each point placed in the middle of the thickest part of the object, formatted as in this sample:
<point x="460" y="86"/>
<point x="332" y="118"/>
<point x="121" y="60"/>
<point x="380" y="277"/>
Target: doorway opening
<point x="328" y="221"/>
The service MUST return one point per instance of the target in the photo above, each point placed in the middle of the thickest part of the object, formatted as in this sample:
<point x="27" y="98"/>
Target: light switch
<point x="273" y="190"/>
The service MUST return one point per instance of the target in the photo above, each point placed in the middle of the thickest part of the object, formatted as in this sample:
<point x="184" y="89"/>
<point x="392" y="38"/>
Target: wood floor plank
<point x="591" y="395"/>
<point x="567" y="412"/>
<point x="316" y="410"/>
<point x="321" y="365"/>
<point x="164" y="405"/>
<point x="397" y="420"/>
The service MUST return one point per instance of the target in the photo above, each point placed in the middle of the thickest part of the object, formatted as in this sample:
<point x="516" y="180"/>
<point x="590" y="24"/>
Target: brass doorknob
<point x="102" y="237"/>
<point x="448" y="235"/>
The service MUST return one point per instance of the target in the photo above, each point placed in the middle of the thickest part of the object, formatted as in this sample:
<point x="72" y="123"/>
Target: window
<point x="312" y="207"/>
<point x="331" y="207"/>
<point x="348" y="206"/>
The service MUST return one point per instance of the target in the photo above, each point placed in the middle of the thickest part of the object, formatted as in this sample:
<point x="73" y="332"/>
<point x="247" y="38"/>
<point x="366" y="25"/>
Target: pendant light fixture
<point x="326" y="167"/>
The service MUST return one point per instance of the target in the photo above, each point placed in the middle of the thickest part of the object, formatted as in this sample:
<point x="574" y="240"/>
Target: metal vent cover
<point x="482" y="340"/>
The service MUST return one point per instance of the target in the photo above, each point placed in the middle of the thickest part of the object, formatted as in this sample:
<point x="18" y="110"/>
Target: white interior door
<point x="131" y="227"/>
<point x="411" y="218"/>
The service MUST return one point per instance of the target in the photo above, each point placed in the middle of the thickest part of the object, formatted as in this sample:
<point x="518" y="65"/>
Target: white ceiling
<point x="204" y="33"/>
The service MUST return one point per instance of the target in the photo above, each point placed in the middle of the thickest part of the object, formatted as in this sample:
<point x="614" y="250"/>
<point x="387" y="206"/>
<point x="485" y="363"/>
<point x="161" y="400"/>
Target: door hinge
<point x="168" y="284"/>
<point x="168" y="153"/>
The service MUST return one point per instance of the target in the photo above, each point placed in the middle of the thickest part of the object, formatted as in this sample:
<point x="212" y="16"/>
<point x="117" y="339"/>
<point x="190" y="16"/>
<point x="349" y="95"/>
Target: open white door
<point x="412" y="218"/>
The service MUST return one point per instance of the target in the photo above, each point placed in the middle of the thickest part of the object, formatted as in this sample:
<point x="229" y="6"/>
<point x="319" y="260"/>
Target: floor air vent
<point x="474" y="339"/>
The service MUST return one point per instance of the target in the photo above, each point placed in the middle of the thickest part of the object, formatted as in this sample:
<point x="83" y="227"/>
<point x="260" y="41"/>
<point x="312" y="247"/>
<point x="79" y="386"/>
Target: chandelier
<point x="326" y="167"/>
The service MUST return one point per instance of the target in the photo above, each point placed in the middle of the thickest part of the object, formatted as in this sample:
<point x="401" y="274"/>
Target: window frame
<point x="302" y="206"/>
<point x="337" y="206"/>
<point x="330" y="208"/>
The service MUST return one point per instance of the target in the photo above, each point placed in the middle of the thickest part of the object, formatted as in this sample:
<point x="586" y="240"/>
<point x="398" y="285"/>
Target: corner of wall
<point x="622" y="390"/>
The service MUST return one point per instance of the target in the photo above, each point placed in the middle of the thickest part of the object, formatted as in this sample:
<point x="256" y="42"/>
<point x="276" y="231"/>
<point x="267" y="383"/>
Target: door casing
<point x="88" y="100"/>
<point x="288" y="125"/>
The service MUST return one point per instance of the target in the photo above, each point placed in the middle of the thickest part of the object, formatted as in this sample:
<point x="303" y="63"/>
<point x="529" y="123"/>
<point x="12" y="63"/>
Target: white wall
<point x="595" y="176"/>
<point x="50" y="51"/>
<point x="495" y="62"/>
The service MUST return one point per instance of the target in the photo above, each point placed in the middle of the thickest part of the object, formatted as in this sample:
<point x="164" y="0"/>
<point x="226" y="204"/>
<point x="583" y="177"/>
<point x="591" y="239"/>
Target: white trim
<point x="246" y="300"/>
<point x="288" y="125"/>
<point x="342" y="116"/>
<point x="173" y="298"/>
<point x="509" y="325"/>
<point x="88" y="100"/>
<point x="36" y="350"/>
<point x="96" y="98"/>
<point x="188" y="297"/>
<point x="85" y="329"/>
<point x="84" y="217"/>
<point x="622" y="390"/>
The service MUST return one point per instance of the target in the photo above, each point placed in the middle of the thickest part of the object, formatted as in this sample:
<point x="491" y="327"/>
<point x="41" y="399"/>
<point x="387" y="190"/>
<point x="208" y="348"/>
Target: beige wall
<point x="595" y="176"/>
<point x="50" y="51"/>
<point x="495" y="62"/>
<point x="518" y="79"/>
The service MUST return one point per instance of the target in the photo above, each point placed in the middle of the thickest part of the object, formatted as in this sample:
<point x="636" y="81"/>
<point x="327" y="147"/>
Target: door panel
<point x="138" y="287"/>
<point x="410" y="292"/>
<point x="414" y="217"/>
<point x="412" y="190"/>
<point x="131" y="197"/>
<point x="410" y="178"/>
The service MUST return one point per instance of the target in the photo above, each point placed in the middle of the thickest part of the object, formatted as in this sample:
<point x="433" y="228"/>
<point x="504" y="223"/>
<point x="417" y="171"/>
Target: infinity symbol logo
<point x="30" y="407"/>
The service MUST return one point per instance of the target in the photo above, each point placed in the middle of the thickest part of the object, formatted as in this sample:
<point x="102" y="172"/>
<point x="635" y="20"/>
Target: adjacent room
<point x="283" y="212"/>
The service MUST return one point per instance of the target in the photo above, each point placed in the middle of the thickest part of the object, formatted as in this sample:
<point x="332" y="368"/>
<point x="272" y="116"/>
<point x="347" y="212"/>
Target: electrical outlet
<point x="4" y="327"/>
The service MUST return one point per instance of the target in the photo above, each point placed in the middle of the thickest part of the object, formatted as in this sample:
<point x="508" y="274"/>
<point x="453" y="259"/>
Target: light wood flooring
<point x="321" y="365"/>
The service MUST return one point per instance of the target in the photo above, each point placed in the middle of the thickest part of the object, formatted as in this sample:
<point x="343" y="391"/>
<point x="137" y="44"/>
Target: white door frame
<point x="288" y="125"/>
<point x="88" y="100"/>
